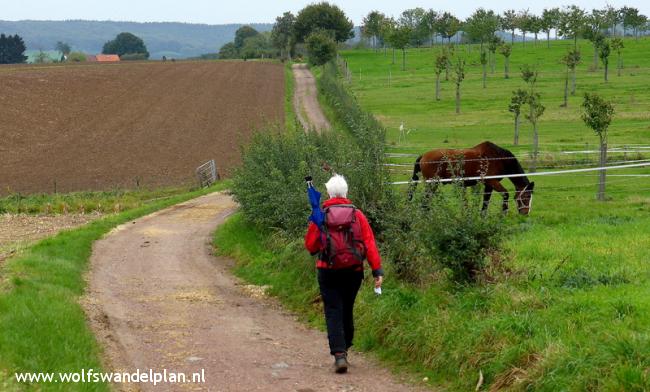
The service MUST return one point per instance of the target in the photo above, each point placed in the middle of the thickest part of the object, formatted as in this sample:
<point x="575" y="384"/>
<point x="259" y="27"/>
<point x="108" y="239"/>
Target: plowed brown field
<point x="91" y="127"/>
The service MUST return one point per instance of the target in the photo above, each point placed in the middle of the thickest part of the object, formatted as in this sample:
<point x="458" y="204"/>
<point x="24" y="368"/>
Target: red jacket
<point x="313" y="239"/>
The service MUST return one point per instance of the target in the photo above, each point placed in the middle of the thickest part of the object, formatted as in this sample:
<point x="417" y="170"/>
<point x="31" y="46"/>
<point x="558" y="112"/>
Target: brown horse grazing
<point x="483" y="160"/>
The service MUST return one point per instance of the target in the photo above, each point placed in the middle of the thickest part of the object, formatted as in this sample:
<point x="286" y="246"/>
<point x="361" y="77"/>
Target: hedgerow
<point x="439" y="233"/>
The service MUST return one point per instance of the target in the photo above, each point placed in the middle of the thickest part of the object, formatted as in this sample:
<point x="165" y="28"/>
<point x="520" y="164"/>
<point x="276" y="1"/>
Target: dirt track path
<point x="305" y="100"/>
<point x="158" y="299"/>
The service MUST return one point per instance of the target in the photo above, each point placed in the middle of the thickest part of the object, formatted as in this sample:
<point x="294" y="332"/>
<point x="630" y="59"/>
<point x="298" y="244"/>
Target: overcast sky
<point x="220" y="12"/>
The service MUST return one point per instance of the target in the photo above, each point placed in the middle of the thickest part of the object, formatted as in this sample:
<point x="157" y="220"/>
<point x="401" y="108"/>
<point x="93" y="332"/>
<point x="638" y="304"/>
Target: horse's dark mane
<point x="512" y="165"/>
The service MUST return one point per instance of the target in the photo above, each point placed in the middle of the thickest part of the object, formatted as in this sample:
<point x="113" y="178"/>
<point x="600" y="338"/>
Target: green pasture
<point x="410" y="99"/>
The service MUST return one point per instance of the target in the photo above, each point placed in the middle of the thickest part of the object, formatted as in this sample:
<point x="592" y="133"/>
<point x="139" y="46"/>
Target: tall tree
<point x="323" y="16"/>
<point x="506" y="51"/>
<point x="627" y="16"/>
<point x="42" y="58"/>
<point x="535" y="26"/>
<point x="617" y="45"/>
<point x="449" y="52"/>
<point x="429" y="24"/>
<point x="536" y="109"/>
<point x="459" y="75"/>
<point x="387" y="27"/>
<point x="482" y="25"/>
<point x="448" y="26"/>
<point x="12" y="49"/>
<point x="228" y="51"/>
<point x="604" y="50"/>
<point x="414" y="19"/>
<point x="594" y="23"/>
<point x="321" y="47"/>
<point x="550" y="20"/>
<point x="572" y="21"/>
<point x="258" y="46"/>
<point x="440" y="65"/>
<point x="399" y="38"/>
<point x="638" y="23"/>
<point x="571" y="60"/>
<point x="509" y="23"/>
<point x="241" y="34"/>
<point x="597" y="115"/>
<point x="126" y="43"/>
<point x="612" y="17"/>
<point x="282" y="34"/>
<point x="372" y="25"/>
<point x="517" y="102"/>
<point x="63" y="48"/>
<point x="484" y="61"/>
<point x="523" y="23"/>
<point x="494" y="44"/>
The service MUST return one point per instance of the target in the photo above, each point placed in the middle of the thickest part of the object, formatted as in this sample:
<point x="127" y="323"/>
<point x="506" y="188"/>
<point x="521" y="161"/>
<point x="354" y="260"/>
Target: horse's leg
<point x="487" y="194"/>
<point x="429" y="189"/>
<point x="411" y="190"/>
<point x="504" y="192"/>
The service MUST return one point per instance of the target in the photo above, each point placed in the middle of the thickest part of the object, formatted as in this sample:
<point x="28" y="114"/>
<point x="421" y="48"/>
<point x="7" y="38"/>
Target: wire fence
<point x="548" y="173"/>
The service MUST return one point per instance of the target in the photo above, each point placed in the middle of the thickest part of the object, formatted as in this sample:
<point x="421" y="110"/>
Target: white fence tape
<point x="549" y="173"/>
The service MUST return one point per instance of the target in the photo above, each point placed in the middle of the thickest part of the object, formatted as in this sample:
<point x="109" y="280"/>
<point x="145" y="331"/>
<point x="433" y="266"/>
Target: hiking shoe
<point x="340" y="363"/>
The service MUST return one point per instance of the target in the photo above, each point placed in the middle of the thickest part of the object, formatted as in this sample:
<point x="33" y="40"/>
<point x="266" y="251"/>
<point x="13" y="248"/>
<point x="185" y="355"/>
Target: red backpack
<point x="344" y="247"/>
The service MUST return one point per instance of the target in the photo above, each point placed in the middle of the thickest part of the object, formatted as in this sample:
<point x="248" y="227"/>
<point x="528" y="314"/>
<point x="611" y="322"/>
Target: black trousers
<point x="339" y="289"/>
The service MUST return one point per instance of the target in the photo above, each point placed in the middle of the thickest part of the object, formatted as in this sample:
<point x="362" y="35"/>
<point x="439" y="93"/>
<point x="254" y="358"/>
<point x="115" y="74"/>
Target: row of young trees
<point x="12" y="49"/>
<point x="417" y="26"/>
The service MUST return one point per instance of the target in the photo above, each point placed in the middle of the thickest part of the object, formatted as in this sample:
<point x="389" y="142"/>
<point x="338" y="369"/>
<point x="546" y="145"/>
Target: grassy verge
<point x="101" y="201"/>
<point x="42" y="325"/>
<point x="290" y="119"/>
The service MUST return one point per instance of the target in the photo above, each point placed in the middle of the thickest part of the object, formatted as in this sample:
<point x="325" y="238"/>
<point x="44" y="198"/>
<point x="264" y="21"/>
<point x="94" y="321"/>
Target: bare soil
<point x="19" y="230"/>
<point x="158" y="299"/>
<point x="104" y="126"/>
<point x="305" y="100"/>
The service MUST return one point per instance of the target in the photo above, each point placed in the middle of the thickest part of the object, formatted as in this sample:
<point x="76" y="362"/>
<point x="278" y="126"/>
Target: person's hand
<point x="378" y="281"/>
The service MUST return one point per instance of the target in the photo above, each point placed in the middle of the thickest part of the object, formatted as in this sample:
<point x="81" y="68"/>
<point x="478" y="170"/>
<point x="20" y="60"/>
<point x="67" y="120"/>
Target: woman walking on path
<point x="342" y="243"/>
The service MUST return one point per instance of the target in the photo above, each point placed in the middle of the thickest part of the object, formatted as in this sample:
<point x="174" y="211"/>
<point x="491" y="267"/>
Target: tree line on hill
<point x="174" y="40"/>
<point x="125" y="45"/>
<point x="417" y="26"/>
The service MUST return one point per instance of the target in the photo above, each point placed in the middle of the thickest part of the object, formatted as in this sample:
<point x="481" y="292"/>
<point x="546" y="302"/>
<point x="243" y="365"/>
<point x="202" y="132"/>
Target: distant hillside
<point x="178" y="40"/>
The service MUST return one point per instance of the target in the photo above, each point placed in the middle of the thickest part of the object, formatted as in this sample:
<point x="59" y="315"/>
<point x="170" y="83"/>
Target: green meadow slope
<point x="573" y="310"/>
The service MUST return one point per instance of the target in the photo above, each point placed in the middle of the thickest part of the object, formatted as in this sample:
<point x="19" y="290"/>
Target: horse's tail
<point x="416" y="169"/>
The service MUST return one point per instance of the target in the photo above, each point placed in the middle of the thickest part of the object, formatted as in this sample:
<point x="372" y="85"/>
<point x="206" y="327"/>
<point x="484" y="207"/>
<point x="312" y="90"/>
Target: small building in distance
<point x="107" y="58"/>
<point x="103" y="58"/>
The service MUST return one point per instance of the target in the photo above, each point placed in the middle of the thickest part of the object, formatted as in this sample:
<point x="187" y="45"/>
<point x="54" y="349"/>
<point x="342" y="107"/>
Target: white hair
<point x="337" y="186"/>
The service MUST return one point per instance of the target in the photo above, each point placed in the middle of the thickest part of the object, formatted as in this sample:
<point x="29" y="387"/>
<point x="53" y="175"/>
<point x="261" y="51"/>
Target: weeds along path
<point x="305" y="100"/>
<point x="158" y="299"/>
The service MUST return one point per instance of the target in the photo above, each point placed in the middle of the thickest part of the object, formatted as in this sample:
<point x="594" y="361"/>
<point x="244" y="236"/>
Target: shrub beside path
<point x="159" y="299"/>
<point x="305" y="100"/>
